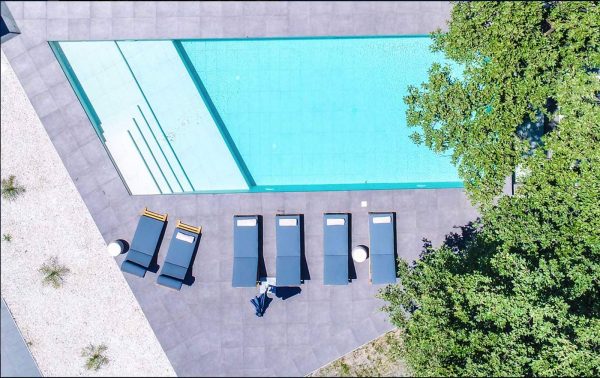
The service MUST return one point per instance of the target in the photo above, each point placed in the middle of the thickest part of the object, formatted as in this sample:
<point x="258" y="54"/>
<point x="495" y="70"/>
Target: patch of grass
<point x="53" y="272"/>
<point x="343" y="367"/>
<point x="7" y="238"/>
<point x="379" y="358"/>
<point x="11" y="189"/>
<point x="94" y="356"/>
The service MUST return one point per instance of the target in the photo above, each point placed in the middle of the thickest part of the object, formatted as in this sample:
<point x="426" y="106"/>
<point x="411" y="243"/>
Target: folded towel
<point x="184" y="237"/>
<point x="336" y="221"/>
<point x="246" y="222"/>
<point x="386" y="219"/>
<point x="287" y="222"/>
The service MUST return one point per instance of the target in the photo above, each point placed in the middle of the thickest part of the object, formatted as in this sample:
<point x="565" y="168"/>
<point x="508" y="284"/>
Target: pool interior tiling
<point x="275" y="114"/>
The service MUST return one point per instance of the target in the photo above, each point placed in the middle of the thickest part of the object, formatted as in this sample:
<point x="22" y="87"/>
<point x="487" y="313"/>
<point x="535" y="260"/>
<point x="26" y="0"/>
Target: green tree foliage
<point x="516" y="57"/>
<point x="518" y="291"/>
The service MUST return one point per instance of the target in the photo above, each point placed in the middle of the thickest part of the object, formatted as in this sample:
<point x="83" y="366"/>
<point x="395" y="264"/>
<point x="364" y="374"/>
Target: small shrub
<point x="94" y="355"/>
<point x="53" y="273"/>
<point x="11" y="189"/>
<point x="344" y="369"/>
<point x="7" y="238"/>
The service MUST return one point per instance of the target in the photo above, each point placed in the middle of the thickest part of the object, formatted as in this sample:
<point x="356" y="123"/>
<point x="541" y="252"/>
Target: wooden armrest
<point x="187" y="227"/>
<point x="153" y="215"/>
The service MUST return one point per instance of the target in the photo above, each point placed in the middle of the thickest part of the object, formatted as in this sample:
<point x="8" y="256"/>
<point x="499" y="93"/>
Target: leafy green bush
<point x="518" y="291"/>
<point x="7" y="237"/>
<point x="53" y="273"/>
<point x="11" y="189"/>
<point x="94" y="356"/>
<point x="516" y="57"/>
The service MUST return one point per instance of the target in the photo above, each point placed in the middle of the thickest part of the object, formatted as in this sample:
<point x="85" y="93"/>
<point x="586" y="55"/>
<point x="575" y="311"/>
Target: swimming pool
<point x="274" y="114"/>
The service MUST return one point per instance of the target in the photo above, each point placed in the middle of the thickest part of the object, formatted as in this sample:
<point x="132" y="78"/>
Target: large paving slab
<point x="16" y="361"/>
<point x="209" y="328"/>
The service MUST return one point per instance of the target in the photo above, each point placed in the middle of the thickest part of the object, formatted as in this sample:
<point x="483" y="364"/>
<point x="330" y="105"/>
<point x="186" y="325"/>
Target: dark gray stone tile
<point x="254" y="26"/>
<point x="23" y="65"/>
<point x="166" y="9"/>
<point x="53" y="123"/>
<point x="100" y="9"/>
<point x="100" y="28"/>
<point x="16" y="9"/>
<point x="96" y="201"/>
<point x="34" y="85"/>
<point x="299" y="24"/>
<point x="256" y="8"/>
<point x="57" y="29"/>
<point x="211" y="8"/>
<point x="254" y="357"/>
<point x="344" y="341"/>
<point x="365" y="331"/>
<point x="34" y="9"/>
<point x="325" y="353"/>
<point x="83" y="132"/>
<point x="43" y="104"/>
<point x="122" y="27"/>
<point x="167" y="27"/>
<point x="122" y="9"/>
<point x="63" y="93"/>
<point x="321" y="7"/>
<point x="33" y="32"/>
<point x="210" y="27"/>
<point x="188" y="26"/>
<point x="276" y="25"/>
<point x="13" y="48"/>
<point x="79" y="9"/>
<point x="144" y="9"/>
<point x="51" y="73"/>
<point x="232" y="8"/>
<point x="188" y="8"/>
<point x="79" y="28"/>
<point x="307" y="361"/>
<point x="16" y="357"/>
<point x="145" y="28"/>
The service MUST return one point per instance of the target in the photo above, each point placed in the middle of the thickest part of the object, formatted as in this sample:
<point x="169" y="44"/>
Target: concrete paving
<point x="209" y="328"/>
<point x="16" y="361"/>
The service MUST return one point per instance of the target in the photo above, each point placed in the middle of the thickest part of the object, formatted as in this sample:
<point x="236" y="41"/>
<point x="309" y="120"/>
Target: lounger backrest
<point x="183" y="244"/>
<point x="288" y="235"/>
<point x="335" y="234"/>
<point x="147" y="235"/>
<point x="245" y="236"/>
<point x="381" y="229"/>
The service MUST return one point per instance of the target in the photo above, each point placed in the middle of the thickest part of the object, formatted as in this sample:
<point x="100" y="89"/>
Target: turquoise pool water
<point x="258" y="114"/>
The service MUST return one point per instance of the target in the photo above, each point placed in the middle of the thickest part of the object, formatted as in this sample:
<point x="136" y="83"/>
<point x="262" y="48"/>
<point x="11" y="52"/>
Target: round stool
<point x="115" y="248"/>
<point x="360" y="253"/>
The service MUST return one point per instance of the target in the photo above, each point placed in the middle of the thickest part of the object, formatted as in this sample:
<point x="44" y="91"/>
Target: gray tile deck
<point x="209" y="328"/>
<point x="16" y="361"/>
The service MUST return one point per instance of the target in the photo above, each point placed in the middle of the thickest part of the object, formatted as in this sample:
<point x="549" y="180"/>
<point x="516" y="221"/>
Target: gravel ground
<point x="95" y="305"/>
